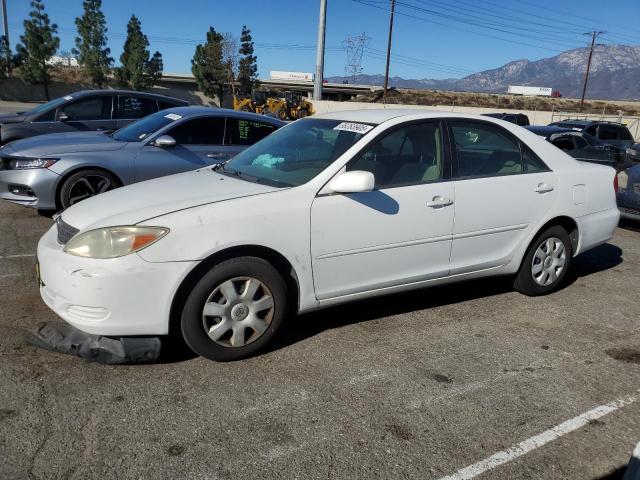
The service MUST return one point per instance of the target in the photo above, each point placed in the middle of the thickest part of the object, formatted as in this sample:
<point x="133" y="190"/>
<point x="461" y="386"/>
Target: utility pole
<point x="322" y="23"/>
<point x="386" y="73"/>
<point x="5" y="26"/>
<point x="593" y="34"/>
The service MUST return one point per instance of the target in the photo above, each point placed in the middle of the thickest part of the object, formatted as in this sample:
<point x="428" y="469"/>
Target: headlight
<point x="114" y="242"/>
<point x="24" y="163"/>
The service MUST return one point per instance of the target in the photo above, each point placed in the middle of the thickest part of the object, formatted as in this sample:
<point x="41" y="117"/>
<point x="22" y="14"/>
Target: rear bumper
<point x="596" y="228"/>
<point x="40" y="182"/>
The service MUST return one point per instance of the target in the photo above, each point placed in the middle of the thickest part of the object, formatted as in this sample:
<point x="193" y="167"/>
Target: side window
<point x="409" y="155"/>
<point x="591" y="130"/>
<point x="624" y="133"/>
<point x="96" y="108"/>
<point x="135" y="107"/>
<point x="164" y="105"/>
<point x="532" y="162"/>
<point x="246" y="132"/>
<point x="580" y="142"/>
<point x="564" y="143"/>
<point x="199" y="131"/>
<point x="485" y="150"/>
<point x="607" y="132"/>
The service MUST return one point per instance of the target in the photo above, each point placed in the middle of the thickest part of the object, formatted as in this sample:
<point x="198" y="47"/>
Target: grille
<point x="65" y="231"/>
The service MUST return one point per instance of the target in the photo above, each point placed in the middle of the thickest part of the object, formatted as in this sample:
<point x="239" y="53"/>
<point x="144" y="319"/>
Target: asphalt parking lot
<point x="417" y="385"/>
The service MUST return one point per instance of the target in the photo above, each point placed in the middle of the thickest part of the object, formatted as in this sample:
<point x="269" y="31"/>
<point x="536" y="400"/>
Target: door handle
<point x="439" y="202"/>
<point x="543" y="188"/>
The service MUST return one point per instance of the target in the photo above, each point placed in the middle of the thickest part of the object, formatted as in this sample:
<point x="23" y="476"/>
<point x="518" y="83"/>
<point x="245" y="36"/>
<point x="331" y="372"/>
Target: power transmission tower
<point x="593" y="34"/>
<point x="355" y="46"/>
<point x="386" y="72"/>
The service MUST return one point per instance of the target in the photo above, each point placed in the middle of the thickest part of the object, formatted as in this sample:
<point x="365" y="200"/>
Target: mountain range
<point x="614" y="75"/>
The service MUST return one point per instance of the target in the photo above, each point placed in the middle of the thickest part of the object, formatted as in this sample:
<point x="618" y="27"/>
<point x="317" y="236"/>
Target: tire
<point x="282" y="114"/>
<point x="234" y="327"/>
<point x="244" y="108"/>
<point x="84" y="184"/>
<point x="546" y="262"/>
<point x="303" y="112"/>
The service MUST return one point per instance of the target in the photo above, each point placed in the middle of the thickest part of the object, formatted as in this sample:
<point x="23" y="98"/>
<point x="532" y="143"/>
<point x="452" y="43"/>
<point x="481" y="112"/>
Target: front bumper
<point x="116" y="297"/>
<point x="41" y="181"/>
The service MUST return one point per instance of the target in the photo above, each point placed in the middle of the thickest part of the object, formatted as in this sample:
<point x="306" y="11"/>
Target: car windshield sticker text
<point x="243" y="129"/>
<point x="173" y="116"/>
<point x="353" y="127"/>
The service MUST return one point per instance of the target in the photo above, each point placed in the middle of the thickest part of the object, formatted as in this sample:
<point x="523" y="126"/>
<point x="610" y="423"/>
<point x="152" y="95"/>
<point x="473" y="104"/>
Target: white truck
<point x="532" y="91"/>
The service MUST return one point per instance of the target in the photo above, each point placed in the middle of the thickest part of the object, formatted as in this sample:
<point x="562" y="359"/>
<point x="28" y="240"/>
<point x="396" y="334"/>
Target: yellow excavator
<point x="256" y="103"/>
<point x="289" y="106"/>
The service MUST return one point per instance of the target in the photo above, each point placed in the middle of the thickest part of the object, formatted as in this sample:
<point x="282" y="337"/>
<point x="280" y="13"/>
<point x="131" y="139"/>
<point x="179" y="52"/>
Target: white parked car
<point x="326" y="210"/>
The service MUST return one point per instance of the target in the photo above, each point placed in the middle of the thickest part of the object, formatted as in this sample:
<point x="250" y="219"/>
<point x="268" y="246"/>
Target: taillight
<point x="615" y="183"/>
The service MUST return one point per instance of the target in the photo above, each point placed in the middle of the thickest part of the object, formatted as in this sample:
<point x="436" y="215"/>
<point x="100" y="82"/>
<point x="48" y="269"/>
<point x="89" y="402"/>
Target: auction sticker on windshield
<point x="173" y="116"/>
<point x="353" y="127"/>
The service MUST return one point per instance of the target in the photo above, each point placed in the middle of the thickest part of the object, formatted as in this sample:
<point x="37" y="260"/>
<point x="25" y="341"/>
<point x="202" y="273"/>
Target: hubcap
<point x="238" y="312"/>
<point x="548" y="261"/>
<point x="88" y="186"/>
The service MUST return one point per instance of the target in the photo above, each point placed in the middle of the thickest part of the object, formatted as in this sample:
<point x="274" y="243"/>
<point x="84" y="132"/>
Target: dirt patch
<point x="627" y="355"/>
<point x="400" y="432"/>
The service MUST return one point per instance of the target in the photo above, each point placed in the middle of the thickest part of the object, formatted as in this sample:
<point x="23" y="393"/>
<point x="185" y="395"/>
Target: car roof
<point x="195" y="110"/>
<point x="586" y="123"/>
<point x="547" y="129"/>
<point x="83" y="93"/>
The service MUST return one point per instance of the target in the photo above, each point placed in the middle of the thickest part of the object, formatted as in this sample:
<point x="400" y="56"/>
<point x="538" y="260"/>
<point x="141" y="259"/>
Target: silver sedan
<point x="52" y="172"/>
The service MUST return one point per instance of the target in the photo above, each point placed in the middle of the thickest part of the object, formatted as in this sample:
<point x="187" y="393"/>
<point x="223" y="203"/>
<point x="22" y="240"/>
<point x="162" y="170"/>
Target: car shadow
<point x="617" y="474"/>
<point x="308" y="325"/>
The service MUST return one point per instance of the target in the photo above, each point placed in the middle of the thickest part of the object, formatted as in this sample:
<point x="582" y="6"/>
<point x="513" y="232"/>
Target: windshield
<point x="52" y="104"/>
<point x="138" y="131"/>
<point x="296" y="153"/>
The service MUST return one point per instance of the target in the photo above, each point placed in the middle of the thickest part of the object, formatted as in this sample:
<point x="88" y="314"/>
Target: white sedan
<point x="326" y="210"/>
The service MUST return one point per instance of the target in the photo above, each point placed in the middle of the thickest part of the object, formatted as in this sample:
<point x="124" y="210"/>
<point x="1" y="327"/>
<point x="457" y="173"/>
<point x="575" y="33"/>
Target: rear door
<point x="133" y="107"/>
<point x="502" y="191"/>
<point x="85" y="114"/>
<point x="199" y="142"/>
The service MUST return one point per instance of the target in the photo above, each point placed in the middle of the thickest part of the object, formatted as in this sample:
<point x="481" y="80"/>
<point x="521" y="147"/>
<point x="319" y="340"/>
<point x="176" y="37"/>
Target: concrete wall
<point x="536" y="117"/>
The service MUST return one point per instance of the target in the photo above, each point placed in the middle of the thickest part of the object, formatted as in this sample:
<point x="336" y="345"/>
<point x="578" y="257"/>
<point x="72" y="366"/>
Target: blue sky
<point x="429" y="40"/>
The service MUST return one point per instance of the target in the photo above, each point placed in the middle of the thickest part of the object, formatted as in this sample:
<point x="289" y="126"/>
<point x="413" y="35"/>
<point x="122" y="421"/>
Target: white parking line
<point x="541" y="439"/>
<point x="19" y="255"/>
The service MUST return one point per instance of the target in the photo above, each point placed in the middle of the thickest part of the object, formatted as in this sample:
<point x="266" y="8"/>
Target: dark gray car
<point x="610" y="133"/>
<point x="52" y="172"/>
<point x="84" y="111"/>
<point x="628" y="196"/>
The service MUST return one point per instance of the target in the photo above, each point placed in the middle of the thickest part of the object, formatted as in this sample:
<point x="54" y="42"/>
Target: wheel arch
<point x="564" y="221"/>
<point x="275" y="258"/>
<point x="63" y="178"/>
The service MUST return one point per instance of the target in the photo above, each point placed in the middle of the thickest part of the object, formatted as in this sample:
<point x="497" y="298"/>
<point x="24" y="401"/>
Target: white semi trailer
<point x="533" y="91"/>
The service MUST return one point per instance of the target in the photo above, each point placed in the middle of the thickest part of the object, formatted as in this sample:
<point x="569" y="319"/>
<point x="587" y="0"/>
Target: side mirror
<point x="165" y="141"/>
<point x="62" y="117"/>
<point x="353" y="182"/>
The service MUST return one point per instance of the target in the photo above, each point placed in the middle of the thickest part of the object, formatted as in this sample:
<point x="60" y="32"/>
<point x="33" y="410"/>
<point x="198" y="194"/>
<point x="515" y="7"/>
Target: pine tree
<point x="248" y="67"/>
<point x="91" y="44"/>
<point x="208" y="67"/>
<point x="137" y="70"/>
<point x="39" y="44"/>
<point x="5" y="57"/>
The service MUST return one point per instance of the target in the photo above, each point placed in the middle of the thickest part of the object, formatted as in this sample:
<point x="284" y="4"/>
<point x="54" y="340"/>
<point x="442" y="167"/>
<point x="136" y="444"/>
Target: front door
<point x="397" y="234"/>
<point x="502" y="191"/>
<point x="199" y="143"/>
<point x="85" y="114"/>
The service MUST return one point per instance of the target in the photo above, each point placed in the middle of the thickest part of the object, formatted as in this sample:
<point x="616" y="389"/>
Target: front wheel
<point x="84" y="184"/>
<point x="235" y="310"/>
<point x="546" y="262"/>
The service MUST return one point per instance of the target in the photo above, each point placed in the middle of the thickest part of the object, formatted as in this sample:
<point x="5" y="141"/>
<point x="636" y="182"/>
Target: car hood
<point x="12" y="118"/>
<point x="61" y="143"/>
<point x="146" y="200"/>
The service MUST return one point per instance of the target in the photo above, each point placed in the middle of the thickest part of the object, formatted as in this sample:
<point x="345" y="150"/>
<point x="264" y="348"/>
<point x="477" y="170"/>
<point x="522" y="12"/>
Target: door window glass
<point x="580" y="142"/>
<point x="409" y="155"/>
<point x="624" y="133"/>
<point x="485" y="150"/>
<point x="564" y="143"/>
<point x="136" y="107"/>
<point x="199" y="131"/>
<point x="532" y="162"/>
<point x="163" y="104"/>
<point x="247" y="132"/>
<point x="607" y="132"/>
<point x="96" y="108"/>
<point x="591" y="130"/>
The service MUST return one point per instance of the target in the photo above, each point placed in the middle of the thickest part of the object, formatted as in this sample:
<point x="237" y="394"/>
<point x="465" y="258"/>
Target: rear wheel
<point x="303" y="112"/>
<point x="546" y="262"/>
<point x="282" y="114"/>
<point x="84" y="184"/>
<point x="235" y="310"/>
